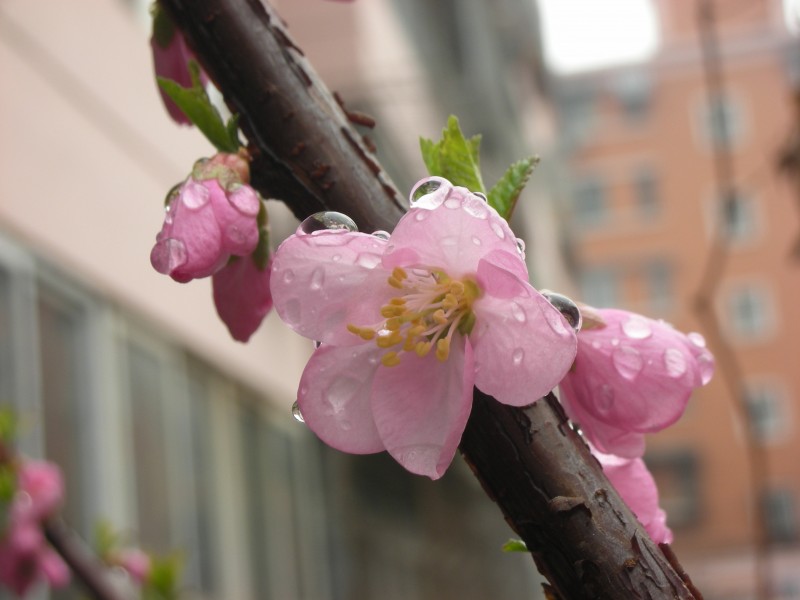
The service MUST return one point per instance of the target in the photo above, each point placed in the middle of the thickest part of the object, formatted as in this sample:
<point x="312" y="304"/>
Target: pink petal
<point x="454" y="237"/>
<point x="322" y="282"/>
<point x="44" y="484"/>
<point x="523" y="346"/>
<point x="236" y="218"/>
<point x="334" y="397"/>
<point x="53" y="568"/>
<point x="242" y="296"/>
<point x="172" y="62"/>
<point x="421" y="408"/>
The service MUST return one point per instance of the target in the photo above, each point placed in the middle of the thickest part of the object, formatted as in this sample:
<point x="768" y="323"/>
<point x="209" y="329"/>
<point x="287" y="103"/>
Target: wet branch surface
<point x="530" y="462"/>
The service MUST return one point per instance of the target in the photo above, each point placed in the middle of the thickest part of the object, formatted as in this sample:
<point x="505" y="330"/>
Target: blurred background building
<point x="185" y="439"/>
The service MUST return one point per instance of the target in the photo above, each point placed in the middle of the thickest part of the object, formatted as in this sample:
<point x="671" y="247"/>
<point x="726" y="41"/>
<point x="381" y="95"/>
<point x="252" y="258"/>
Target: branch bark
<point x="552" y="492"/>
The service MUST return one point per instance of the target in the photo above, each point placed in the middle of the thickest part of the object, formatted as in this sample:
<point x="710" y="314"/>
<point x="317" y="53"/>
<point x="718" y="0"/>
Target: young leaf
<point x="454" y="157"/>
<point x="195" y="104"/>
<point x="503" y="196"/>
<point x="515" y="546"/>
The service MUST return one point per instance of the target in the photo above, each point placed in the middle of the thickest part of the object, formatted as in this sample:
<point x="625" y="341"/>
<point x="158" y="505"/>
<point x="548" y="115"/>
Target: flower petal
<point x="421" y="407"/>
<point x="242" y="297"/>
<point x="453" y="237"/>
<point x="334" y="397"/>
<point x="523" y="346"/>
<point x="322" y="282"/>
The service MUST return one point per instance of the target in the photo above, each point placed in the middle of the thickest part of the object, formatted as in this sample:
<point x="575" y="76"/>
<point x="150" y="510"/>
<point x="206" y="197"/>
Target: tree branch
<point x="552" y="492"/>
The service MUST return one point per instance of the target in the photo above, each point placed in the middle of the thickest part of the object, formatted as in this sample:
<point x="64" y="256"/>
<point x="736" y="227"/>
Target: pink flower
<point x="632" y="375"/>
<point x="171" y="56"/>
<point x="409" y="324"/>
<point x="25" y="556"/>
<point x="242" y="296"/>
<point x="136" y="563"/>
<point x="210" y="217"/>
<point x="638" y="490"/>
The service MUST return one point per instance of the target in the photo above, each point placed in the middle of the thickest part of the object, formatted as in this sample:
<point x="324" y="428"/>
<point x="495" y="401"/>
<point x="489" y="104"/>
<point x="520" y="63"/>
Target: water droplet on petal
<point x="517" y="356"/>
<point x="595" y="344"/>
<point x="245" y="200"/>
<point x="368" y="260"/>
<point x="481" y="195"/>
<point x="555" y="321"/>
<point x="452" y="203"/>
<point x="567" y="307"/>
<point x="235" y="234"/>
<point x="498" y="230"/>
<point x="604" y="399"/>
<point x="637" y="328"/>
<point x="615" y="342"/>
<point x="476" y="240"/>
<point x="336" y="257"/>
<point x="381" y="234"/>
<point x="317" y="344"/>
<point x="627" y="361"/>
<point x="449" y="241"/>
<point x="705" y="363"/>
<point x="421" y="216"/>
<point x="429" y="193"/>
<point x="340" y="392"/>
<point x="168" y="255"/>
<point x="697" y="339"/>
<point x="194" y="195"/>
<point x="476" y="208"/>
<point x="518" y="312"/>
<point x="317" y="278"/>
<point x="674" y="362"/>
<point x="291" y="311"/>
<point x="521" y="248"/>
<point x="298" y="416"/>
<point x="168" y="214"/>
<point x="327" y="220"/>
<point x="288" y="276"/>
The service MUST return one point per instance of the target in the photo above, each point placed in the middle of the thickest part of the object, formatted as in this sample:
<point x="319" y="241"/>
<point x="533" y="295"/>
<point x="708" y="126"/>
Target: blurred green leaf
<point x="505" y="193"/>
<point x="515" y="546"/>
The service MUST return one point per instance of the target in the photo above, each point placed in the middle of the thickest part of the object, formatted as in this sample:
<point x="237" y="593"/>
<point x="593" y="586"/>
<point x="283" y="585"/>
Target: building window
<point x="676" y="475"/>
<point x="589" y="203"/>
<point x="658" y="284"/>
<point x="633" y="90"/>
<point x="749" y="312"/>
<point x="766" y="407"/>
<point x="780" y="514"/>
<point x="599" y="287"/>
<point x="722" y="122"/>
<point x="648" y="202"/>
<point x="576" y="109"/>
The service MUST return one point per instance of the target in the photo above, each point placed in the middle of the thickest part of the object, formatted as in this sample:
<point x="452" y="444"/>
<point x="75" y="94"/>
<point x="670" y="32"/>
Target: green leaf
<point x="196" y="105"/>
<point x="106" y="539"/>
<point x="454" y="157"/>
<point x="515" y="546"/>
<point x="8" y="424"/>
<point x="505" y="193"/>
<point x="162" y="582"/>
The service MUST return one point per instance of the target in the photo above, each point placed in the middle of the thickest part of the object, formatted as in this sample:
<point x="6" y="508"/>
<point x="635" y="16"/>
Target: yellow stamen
<point x="440" y="317"/>
<point x="387" y="341"/>
<point x="443" y="349"/>
<point x="399" y="274"/>
<point x="390" y="359"/>
<point x="394" y="323"/>
<point x="423" y="348"/>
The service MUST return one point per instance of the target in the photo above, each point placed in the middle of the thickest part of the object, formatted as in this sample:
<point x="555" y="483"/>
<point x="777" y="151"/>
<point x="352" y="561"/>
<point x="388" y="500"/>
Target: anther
<point x="443" y="349"/>
<point x="390" y="359"/>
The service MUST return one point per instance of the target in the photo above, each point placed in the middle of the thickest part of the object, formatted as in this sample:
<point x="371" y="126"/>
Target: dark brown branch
<point x="85" y="566"/>
<point x="551" y="491"/>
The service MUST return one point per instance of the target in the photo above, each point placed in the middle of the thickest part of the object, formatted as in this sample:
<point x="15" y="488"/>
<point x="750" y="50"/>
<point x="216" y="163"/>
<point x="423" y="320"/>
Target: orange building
<point x="644" y="211"/>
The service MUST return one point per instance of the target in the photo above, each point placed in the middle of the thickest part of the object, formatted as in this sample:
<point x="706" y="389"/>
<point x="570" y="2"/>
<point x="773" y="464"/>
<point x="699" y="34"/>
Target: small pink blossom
<point x="137" y="563"/>
<point x="210" y="217"/>
<point x="171" y="56"/>
<point x="25" y="557"/>
<point x="637" y="488"/>
<point x="242" y="296"/>
<point x="408" y="325"/>
<point x="632" y="375"/>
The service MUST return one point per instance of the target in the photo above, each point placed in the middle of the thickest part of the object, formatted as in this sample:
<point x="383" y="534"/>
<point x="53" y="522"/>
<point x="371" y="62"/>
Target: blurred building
<point x="642" y="209"/>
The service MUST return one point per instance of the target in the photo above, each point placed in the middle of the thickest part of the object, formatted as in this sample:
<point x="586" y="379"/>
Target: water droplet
<point x="168" y="255"/>
<point x="475" y="207"/>
<point x="245" y="199"/>
<point x="381" y="234"/>
<point x="429" y="193"/>
<point x="340" y="392"/>
<point x="498" y="230"/>
<point x="327" y="220"/>
<point x="452" y="203"/>
<point x="317" y="278"/>
<point x="518" y="312"/>
<point x="235" y="234"/>
<point x="481" y="195"/>
<point x="604" y="399"/>
<point x="521" y="247"/>
<point x="615" y="342"/>
<point x="317" y="344"/>
<point x="697" y="339"/>
<point x="517" y="356"/>
<point x="567" y="307"/>
<point x="336" y="257"/>
<point x="368" y="260"/>
<point x="627" y="361"/>
<point x="675" y="362"/>
<point x="555" y="321"/>
<point x="476" y="240"/>
<point x="291" y="311"/>
<point x="596" y="345"/>
<point x="705" y="363"/>
<point x="637" y="328"/>
<point x="420" y="216"/>
<point x="288" y="276"/>
<point x="298" y="416"/>
<point x="194" y="195"/>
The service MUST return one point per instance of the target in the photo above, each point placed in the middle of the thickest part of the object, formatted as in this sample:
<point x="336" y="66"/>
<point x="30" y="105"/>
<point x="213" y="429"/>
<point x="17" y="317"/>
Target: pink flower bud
<point x="43" y="485"/>
<point x="208" y="220"/>
<point x="242" y="296"/>
<point x="136" y="563"/>
<point x="171" y="60"/>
